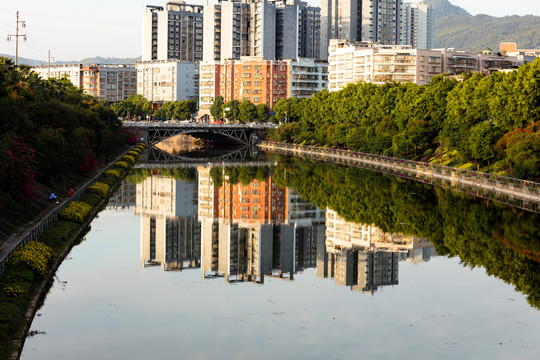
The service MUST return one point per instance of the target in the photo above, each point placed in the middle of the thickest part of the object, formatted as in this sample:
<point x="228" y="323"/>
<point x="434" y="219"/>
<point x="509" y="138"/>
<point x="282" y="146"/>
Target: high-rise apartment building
<point x="360" y="20"/>
<point x="173" y="32"/>
<point x="260" y="81"/>
<point x="418" y="25"/>
<point x="160" y="81"/>
<point x="282" y="29"/>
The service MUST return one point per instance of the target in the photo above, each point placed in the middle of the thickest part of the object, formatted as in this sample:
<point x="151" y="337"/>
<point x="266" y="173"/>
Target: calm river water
<point x="290" y="259"/>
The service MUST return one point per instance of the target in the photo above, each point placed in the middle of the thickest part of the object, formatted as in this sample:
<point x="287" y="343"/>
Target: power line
<point x="23" y="24"/>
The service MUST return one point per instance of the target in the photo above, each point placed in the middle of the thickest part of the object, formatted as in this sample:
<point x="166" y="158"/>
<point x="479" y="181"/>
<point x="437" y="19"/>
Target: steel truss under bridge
<point x="153" y="133"/>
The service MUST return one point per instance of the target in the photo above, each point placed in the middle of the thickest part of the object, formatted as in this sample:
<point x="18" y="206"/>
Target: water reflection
<point x="239" y="224"/>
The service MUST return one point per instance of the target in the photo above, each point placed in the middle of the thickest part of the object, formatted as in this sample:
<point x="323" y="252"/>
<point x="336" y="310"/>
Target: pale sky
<point x="76" y="29"/>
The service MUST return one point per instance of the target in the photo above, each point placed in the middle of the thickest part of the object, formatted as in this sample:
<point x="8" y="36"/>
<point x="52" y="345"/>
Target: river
<point x="285" y="258"/>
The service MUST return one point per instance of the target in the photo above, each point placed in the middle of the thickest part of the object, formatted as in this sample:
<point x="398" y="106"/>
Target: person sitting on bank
<point x="53" y="198"/>
<point x="70" y="192"/>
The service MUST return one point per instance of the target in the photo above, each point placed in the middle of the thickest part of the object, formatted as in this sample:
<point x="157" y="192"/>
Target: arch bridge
<point x="155" y="132"/>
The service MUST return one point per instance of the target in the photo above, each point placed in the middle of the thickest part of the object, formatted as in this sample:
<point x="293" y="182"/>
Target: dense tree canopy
<point x="459" y="121"/>
<point x="48" y="128"/>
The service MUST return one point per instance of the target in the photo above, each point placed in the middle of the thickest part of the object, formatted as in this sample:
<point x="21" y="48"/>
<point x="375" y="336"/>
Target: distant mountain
<point x="26" y="61"/>
<point x="445" y="8"/>
<point x="92" y="60"/>
<point x="455" y="27"/>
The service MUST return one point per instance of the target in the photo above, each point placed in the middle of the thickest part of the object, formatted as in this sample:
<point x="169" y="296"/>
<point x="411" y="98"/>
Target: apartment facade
<point x="523" y="55"/>
<point x="351" y="62"/>
<point x="260" y="81"/>
<point x="360" y="20"/>
<point x="174" y="31"/>
<point x="161" y="81"/>
<point x="418" y="26"/>
<point x="457" y="62"/>
<point x="237" y="28"/>
<point x="112" y="83"/>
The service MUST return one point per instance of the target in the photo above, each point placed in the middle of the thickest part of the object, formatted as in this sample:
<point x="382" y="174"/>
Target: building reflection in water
<point x="170" y="231"/>
<point x="249" y="232"/>
<point x="363" y="256"/>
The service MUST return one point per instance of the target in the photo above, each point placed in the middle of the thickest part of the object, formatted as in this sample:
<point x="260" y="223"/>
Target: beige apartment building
<point x="352" y="62"/>
<point x="160" y="81"/>
<point x="112" y="83"/>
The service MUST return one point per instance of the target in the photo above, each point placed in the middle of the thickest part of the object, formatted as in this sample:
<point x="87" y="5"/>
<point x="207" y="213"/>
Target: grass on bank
<point x="28" y="268"/>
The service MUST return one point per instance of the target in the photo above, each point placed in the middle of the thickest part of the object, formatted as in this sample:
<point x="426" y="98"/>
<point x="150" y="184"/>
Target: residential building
<point x="351" y="62"/>
<point x="418" y="25"/>
<point x="112" y="83"/>
<point x="457" y="62"/>
<point x="161" y="81"/>
<point x="523" y="55"/>
<point x="173" y="32"/>
<point x="360" y="20"/>
<point x="260" y="81"/>
<point x="72" y="72"/>
<point x="265" y="28"/>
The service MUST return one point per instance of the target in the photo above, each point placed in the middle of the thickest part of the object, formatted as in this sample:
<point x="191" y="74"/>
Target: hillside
<point x="455" y="27"/>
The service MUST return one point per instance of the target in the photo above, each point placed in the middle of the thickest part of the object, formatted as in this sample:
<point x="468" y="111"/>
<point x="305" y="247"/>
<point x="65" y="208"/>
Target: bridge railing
<point x="146" y="124"/>
<point x="525" y="186"/>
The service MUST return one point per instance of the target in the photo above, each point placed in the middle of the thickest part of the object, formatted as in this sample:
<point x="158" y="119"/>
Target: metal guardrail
<point x="525" y="186"/>
<point x="38" y="229"/>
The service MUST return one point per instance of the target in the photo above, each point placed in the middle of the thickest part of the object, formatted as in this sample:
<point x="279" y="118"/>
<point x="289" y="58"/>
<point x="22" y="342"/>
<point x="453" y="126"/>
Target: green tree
<point x="231" y="110"/>
<point x="216" y="109"/>
<point x="262" y="112"/>
<point x="248" y="111"/>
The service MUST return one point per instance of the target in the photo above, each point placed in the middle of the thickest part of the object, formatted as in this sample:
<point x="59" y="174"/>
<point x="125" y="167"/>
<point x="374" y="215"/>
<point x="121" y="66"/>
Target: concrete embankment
<point x="515" y="192"/>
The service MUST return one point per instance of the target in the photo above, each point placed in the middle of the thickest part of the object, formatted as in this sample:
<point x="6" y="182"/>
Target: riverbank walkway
<point x="522" y="193"/>
<point x="35" y="229"/>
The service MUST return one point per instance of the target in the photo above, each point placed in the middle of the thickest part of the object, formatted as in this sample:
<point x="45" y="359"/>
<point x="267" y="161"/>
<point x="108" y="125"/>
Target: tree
<point x="262" y="112"/>
<point x="216" y="109"/>
<point x="231" y="110"/>
<point x="248" y="111"/>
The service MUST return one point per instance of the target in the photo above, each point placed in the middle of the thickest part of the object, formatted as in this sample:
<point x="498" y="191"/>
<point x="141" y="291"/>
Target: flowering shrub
<point x="520" y="149"/>
<point x="35" y="256"/>
<point x="12" y="290"/>
<point x="112" y="173"/>
<point x="129" y="159"/>
<point x="17" y="168"/>
<point x="121" y="164"/>
<point x="75" y="211"/>
<point x="99" y="188"/>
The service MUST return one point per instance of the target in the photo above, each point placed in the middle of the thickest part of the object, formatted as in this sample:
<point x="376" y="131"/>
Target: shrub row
<point x="34" y="259"/>
<point x="99" y="188"/>
<point x="34" y="256"/>
<point x="76" y="211"/>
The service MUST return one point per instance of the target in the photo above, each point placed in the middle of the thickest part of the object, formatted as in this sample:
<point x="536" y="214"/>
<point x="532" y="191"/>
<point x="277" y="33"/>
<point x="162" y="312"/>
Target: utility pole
<point x="49" y="62"/>
<point x="23" y="24"/>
